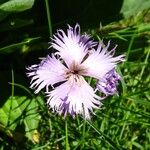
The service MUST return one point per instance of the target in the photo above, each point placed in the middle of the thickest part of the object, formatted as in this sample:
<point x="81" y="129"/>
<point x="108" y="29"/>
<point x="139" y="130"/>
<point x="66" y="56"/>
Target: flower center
<point x="76" y="71"/>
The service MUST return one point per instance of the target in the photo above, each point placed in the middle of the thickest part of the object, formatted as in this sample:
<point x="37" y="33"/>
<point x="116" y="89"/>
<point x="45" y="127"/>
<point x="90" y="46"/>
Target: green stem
<point x="145" y="62"/>
<point x="83" y="131"/>
<point x="20" y="86"/>
<point x="130" y="45"/>
<point x="66" y="134"/>
<point x="83" y="134"/>
<point x="12" y="95"/>
<point x="12" y="81"/>
<point x="103" y="137"/>
<point x="48" y="17"/>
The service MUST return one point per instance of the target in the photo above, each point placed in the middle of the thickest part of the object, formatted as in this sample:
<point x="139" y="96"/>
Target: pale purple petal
<point x="74" y="97"/>
<point x="100" y="61"/>
<point x="48" y="72"/>
<point x="72" y="46"/>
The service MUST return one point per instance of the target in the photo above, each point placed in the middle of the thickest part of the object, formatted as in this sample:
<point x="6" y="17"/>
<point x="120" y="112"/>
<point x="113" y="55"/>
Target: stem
<point x="83" y="135"/>
<point x="103" y="137"/>
<point x="48" y="17"/>
<point x="12" y="95"/>
<point x="66" y="134"/>
<point x="145" y="63"/>
<point x="12" y="81"/>
<point x="130" y="45"/>
<point x="83" y="131"/>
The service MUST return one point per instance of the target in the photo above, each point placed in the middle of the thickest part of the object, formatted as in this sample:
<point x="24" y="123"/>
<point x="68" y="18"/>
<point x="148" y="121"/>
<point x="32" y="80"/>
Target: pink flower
<point x="75" y="58"/>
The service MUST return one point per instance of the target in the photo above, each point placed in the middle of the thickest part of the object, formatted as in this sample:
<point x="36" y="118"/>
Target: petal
<point x="72" y="46"/>
<point x="48" y="72"/>
<point x="100" y="61"/>
<point x="74" y="97"/>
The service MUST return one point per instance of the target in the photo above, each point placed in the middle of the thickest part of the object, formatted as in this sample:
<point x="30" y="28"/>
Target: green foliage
<point x="122" y="123"/>
<point x="16" y="5"/>
<point x="18" y="110"/>
<point x="21" y="46"/>
<point x="131" y="7"/>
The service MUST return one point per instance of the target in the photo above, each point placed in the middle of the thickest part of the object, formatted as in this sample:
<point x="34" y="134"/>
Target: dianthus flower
<point x="76" y="57"/>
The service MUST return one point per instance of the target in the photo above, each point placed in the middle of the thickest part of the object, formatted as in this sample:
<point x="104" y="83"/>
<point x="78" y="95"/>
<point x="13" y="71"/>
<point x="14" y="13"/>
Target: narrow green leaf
<point x="140" y="101"/>
<point x="14" y="47"/>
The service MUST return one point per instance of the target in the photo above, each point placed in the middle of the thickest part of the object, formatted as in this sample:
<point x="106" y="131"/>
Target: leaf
<point x="12" y="110"/>
<point x="31" y="121"/>
<point x="14" y="47"/>
<point x="140" y="101"/>
<point x="131" y="7"/>
<point x="16" y="5"/>
<point x="21" y="109"/>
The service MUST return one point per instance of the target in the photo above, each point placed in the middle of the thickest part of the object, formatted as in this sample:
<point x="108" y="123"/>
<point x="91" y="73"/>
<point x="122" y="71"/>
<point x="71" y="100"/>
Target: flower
<point x="76" y="57"/>
<point x="108" y="84"/>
